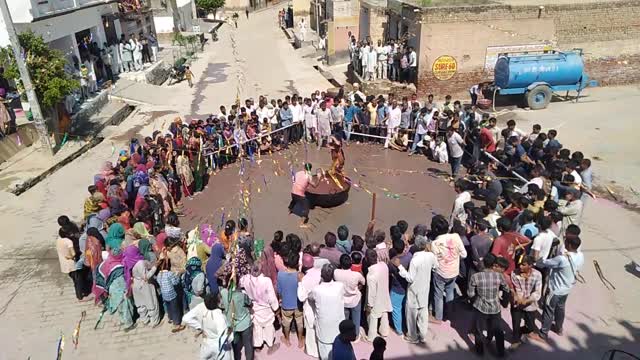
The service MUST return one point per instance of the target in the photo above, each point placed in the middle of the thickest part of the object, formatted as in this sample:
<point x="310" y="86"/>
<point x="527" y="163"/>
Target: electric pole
<point x="38" y="119"/>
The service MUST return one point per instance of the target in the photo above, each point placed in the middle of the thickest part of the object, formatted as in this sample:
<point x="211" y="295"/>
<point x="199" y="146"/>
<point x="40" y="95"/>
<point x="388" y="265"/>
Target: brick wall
<point x="465" y="33"/>
<point x="377" y="24"/>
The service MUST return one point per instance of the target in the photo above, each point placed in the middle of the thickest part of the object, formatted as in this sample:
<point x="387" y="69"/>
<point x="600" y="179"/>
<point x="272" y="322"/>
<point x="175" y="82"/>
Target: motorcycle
<point x="177" y="74"/>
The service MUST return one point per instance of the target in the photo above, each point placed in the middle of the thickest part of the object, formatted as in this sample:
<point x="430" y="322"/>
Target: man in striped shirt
<point x="485" y="288"/>
<point x="527" y="288"/>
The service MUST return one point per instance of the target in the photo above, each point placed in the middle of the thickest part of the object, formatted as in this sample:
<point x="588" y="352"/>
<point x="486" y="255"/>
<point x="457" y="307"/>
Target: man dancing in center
<point x="299" y="204"/>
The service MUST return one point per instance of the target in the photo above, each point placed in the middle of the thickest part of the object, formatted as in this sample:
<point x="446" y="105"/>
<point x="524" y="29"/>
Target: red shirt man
<point x="506" y="244"/>
<point x="488" y="142"/>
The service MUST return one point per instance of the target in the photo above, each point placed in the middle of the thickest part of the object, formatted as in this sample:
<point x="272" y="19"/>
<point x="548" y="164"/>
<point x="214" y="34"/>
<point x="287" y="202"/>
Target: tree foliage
<point x="209" y="5"/>
<point x="46" y="67"/>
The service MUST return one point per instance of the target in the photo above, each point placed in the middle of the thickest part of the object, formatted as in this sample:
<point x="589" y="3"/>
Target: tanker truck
<point x="537" y="76"/>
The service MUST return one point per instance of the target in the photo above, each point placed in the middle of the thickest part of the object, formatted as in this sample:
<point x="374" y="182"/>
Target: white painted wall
<point x="21" y="10"/>
<point x="164" y="24"/>
<point x="63" y="25"/>
<point x="4" y="35"/>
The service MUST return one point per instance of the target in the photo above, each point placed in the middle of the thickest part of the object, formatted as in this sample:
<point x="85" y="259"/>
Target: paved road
<point x="37" y="303"/>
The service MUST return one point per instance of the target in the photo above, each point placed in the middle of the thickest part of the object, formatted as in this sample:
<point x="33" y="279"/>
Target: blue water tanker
<point x="538" y="75"/>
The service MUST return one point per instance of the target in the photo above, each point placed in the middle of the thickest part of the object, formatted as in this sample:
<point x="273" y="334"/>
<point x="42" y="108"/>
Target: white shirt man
<point x="213" y="324"/>
<point x="458" y="212"/>
<point x="378" y="298"/>
<point x="413" y="59"/>
<point x="309" y="282"/>
<point x="395" y="115"/>
<point x="329" y="299"/>
<point x="419" y="278"/>
<point x="296" y="111"/>
<point x="542" y="244"/>
<point x="382" y="61"/>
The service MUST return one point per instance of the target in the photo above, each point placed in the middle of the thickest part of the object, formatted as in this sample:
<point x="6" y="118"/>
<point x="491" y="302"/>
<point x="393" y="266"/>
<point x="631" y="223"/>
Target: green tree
<point x="46" y="67"/>
<point x="209" y="5"/>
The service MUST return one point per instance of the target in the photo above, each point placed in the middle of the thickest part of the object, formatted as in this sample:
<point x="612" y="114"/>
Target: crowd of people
<point x="516" y="246"/>
<point x="394" y="60"/>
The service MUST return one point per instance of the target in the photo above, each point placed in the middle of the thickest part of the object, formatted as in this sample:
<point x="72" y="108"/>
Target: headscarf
<point x="107" y="170"/>
<point x="103" y="279"/>
<point x="92" y="205"/>
<point x="116" y="207"/>
<point x="173" y="232"/>
<point x="141" y="178"/>
<point x="208" y="235"/>
<point x="115" y="237"/>
<point x="213" y="264"/>
<point x="143" y="190"/>
<point x="94" y="232"/>
<point x="114" y="191"/>
<point x="93" y="248"/>
<point x="130" y="258"/>
<point x="135" y="159"/>
<point x="268" y="265"/>
<point x="193" y="269"/>
<point x="104" y="214"/>
<point x="141" y="230"/>
<point x="144" y="246"/>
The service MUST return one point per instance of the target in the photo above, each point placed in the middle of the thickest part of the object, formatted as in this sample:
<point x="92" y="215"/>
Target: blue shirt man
<point x="286" y="116"/>
<point x="350" y="113"/>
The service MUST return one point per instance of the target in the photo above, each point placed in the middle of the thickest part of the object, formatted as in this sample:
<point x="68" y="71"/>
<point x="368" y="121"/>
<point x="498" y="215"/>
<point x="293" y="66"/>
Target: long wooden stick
<point x="373" y="207"/>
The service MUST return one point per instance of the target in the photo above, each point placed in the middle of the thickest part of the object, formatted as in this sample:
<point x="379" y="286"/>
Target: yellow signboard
<point x="444" y="67"/>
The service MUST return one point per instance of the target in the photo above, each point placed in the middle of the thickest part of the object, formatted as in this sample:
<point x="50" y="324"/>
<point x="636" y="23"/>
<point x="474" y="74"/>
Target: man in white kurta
<point x="309" y="282"/>
<point x="137" y="53"/>
<point x="372" y="61"/>
<point x="393" y="122"/>
<point x="310" y="121"/>
<point x="419" y="279"/>
<point x="378" y="298"/>
<point x="209" y="319"/>
<point x="329" y="300"/>
<point x="323" y="116"/>
<point x="259" y="289"/>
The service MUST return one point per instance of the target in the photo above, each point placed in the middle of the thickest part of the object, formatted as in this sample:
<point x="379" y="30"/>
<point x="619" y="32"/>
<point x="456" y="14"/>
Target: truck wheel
<point x="539" y="97"/>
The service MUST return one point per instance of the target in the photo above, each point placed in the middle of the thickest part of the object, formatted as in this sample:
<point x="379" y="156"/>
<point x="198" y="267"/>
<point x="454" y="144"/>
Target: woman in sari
<point x="144" y="293"/>
<point x="213" y="264"/>
<point x="194" y="282"/>
<point x="115" y="191"/>
<point x="93" y="256"/>
<point x="140" y="231"/>
<point x="111" y="287"/>
<point x="184" y="172"/>
<point x="115" y="237"/>
<point x="140" y="204"/>
<point x="130" y="256"/>
<point x="145" y="247"/>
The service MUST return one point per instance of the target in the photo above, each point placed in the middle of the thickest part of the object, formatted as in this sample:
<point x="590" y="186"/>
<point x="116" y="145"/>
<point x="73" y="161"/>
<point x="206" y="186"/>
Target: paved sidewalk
<point x="32" y="162"/>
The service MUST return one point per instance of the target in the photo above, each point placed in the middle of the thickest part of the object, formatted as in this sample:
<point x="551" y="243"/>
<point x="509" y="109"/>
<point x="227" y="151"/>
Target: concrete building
<point x="172" y="15"/>
<point x="475" y="33"/>
<point x="373" y="20"/>
<point x="64" y="24"/>
<point x="342" y="20"/>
